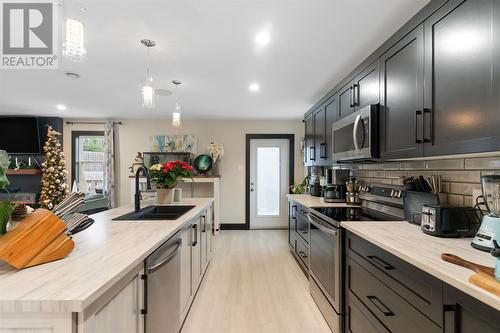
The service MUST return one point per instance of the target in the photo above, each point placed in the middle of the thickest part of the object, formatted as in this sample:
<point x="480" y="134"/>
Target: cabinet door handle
<point x="351" y="96"/>
<point x="195" y="242"/>
<point x="322" y="150"/>
<point x="431" y="124"/>
<point x="312" y="153"/>
<point x="450" y="318"/>
<point x="303" y="254"/>
<point x="294" y="210"/>
<point x="204" y="223"/>
<point x="418" y="115"/>
<point x="380" y="263"/>
<point x="355" y="93"/>
<point x="381" y="306"/>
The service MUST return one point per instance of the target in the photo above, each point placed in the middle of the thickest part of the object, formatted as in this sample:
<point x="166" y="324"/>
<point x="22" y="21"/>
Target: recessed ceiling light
<point x="61" y="107"/>
<point x="262" y="38"/>
<point x="254" y="87"/>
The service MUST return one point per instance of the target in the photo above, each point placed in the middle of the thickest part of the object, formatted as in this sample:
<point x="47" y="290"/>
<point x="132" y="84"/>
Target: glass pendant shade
<point x="148" y="94"/>
<point x="176" y="116"/>
<point x="74" y="41"/>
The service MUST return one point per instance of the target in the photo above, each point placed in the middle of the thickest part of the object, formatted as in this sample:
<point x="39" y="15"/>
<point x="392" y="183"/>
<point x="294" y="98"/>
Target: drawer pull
<point x="384" y="309"/>
<point x="379" y="262"/>
<point x="303" y="254"/>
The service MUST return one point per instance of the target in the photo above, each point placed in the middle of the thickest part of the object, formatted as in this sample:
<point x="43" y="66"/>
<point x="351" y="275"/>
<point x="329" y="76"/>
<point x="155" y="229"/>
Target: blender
<point x="489" y="231"/>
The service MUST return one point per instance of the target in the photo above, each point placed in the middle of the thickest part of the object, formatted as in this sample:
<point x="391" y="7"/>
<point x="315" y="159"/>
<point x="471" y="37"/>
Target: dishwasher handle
<point x="159" y="265"/>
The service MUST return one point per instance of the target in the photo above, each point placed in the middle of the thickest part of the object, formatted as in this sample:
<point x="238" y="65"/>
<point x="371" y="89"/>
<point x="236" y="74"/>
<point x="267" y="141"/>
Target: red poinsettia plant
<point x="168" y="175"/>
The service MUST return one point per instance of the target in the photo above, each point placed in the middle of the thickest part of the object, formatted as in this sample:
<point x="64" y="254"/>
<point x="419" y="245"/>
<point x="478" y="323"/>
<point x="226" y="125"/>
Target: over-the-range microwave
<point x="357" y="136"/>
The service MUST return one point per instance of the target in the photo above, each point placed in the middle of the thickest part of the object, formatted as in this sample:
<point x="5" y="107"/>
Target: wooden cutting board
<point x="484" y="277"/>
<point x="38" y="239"/>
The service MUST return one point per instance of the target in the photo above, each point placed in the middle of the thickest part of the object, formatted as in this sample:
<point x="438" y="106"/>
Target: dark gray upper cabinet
<point x="320" y="135"/>
<point x="461" y="89"/>
<point x="332" y="115"/>
<point x="346" y="100"/>
<point x="366" y="88"/>
<point x="310" y="153"/>
<point x="401" y="97"/>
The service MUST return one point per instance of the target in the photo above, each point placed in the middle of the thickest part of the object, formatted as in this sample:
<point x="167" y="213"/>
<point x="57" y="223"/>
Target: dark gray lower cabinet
<point x="401" y="97"/>
<point x="463" y="314"/>
<point x="387" y="294"/>
<point x="298" y="234"/>
<point x="462" y="78"/>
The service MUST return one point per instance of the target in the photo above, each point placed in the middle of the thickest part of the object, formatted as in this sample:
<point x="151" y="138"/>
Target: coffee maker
<point x="335" y="189"/>
<point x="489" y="231"/>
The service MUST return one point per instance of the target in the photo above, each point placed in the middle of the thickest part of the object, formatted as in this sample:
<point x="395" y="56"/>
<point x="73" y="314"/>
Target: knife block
<point x="38" y="239"/>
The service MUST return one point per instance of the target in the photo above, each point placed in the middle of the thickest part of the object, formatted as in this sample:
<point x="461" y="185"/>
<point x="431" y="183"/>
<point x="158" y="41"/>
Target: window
<point x="88" y="163"/>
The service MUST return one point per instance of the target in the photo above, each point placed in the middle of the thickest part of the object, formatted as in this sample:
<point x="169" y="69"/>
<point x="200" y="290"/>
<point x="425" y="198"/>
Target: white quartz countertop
<point x="409" y="243"/>
<point x="312" y="201"/>
<point x="103" y="254"/>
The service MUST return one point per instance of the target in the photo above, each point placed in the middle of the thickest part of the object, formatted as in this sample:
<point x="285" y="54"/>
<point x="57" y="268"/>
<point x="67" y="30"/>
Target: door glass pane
<point x="268" y="181"/>
<point x="89" y="164"/>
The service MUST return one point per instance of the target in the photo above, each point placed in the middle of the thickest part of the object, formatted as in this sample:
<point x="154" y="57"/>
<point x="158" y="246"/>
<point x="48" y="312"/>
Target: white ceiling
<point x="209" y="45"/>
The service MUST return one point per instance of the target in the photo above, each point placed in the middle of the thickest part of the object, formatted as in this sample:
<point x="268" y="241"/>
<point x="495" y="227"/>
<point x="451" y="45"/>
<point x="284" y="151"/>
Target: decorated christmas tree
<point x="54" y="186"/>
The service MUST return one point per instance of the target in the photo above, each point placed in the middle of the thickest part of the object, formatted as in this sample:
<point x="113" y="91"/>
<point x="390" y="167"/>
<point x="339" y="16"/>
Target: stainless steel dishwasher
<point x="163" y="287"/>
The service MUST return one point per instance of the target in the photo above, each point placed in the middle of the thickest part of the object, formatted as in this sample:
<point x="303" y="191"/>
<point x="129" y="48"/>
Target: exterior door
<point x="269" y="183"/>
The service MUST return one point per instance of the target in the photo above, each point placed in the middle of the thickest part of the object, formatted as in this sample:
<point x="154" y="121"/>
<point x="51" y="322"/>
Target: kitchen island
<point x="66" y="295"/>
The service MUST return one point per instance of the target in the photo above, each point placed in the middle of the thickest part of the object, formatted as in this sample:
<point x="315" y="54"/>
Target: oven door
<point x="353" y="136"/>
<point x="325" y="263"/>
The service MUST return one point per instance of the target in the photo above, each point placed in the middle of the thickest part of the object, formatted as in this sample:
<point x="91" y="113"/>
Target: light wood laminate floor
<point x="254" y="285"/>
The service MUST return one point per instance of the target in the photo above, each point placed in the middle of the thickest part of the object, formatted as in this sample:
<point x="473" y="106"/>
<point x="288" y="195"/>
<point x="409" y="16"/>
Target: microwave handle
<point x="355" y="132"/>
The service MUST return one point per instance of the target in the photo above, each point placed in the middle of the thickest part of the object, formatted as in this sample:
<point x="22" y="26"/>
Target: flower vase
<point x="165" y="195"/>
<point x="216" y="169"/>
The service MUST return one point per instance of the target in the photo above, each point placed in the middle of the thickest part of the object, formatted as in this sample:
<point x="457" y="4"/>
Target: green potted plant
<point x="166" y="176"/>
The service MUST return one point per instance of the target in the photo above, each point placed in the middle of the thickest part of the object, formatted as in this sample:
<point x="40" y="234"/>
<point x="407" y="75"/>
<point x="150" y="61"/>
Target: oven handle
<point x="322" y="228"/>
<point x="355" y="132"/>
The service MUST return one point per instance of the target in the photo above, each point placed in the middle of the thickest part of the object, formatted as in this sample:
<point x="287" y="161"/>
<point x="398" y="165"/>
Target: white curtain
<point x="109" y="158"/>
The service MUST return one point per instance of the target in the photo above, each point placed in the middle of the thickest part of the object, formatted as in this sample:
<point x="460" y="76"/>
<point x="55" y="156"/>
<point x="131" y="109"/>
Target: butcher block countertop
<point x="103" y="254"/>
<point x="312" y="201"/>
<point x="407" y="242"/>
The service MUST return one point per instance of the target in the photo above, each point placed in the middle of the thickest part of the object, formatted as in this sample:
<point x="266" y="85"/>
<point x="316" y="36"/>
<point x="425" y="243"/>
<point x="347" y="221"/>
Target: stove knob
<point x="393" y="192"/>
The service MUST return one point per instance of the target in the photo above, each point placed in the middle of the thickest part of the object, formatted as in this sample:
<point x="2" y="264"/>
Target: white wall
<point x="133" y="136"/>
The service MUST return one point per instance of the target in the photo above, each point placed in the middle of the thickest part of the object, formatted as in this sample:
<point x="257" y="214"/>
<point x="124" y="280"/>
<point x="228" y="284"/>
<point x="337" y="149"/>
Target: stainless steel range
<point x="326" y="266"/>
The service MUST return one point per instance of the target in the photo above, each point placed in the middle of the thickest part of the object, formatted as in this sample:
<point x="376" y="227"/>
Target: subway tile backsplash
<point x="460" y="176"/>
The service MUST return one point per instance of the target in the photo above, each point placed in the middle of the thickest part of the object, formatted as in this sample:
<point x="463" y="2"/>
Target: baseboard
<point x="231" y="226"/>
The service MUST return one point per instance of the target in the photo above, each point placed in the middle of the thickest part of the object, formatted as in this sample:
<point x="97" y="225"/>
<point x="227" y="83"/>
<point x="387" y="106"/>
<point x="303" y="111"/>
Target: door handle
<point x="166" y="260"/>
<point x="381" y="263"/>
<point x="322" y="150"/>
<point x="355" y="92"/>
<point x="450" y="318"/>
<point x="381" y="306"/>
<point x="418" y="114"/>
<point x="431" y="125"/>
<point x="355" y="132"/>
<point x="195" y="242"/>
<point x="251" y="190"/>
<point x="312" y="153"/>
<point x="351" y="96"/>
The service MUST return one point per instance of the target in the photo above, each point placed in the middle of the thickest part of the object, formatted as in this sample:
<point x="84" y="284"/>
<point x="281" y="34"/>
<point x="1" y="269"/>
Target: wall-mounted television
<point x="19" y="135"/>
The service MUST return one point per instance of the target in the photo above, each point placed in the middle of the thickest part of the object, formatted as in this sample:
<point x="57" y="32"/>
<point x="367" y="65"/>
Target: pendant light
<point x="176" y="115"/>
<point x="148" y="92"/>
<point x="74" y="37"/>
